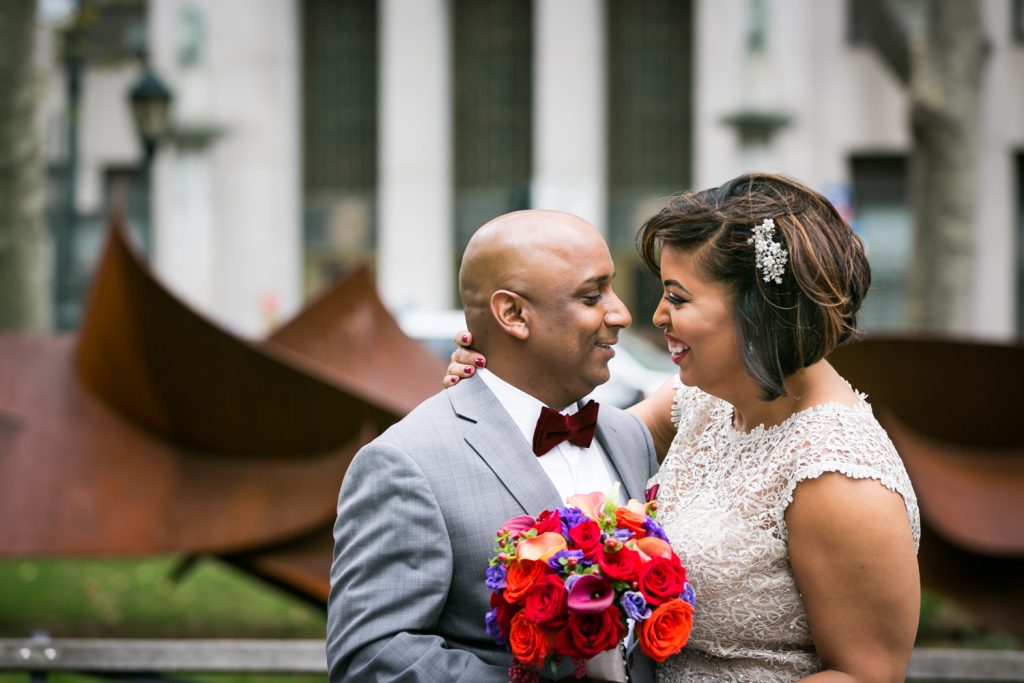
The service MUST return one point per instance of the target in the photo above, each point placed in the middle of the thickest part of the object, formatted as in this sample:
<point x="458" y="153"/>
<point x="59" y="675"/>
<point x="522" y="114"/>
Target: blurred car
<point x="637" y="370"/>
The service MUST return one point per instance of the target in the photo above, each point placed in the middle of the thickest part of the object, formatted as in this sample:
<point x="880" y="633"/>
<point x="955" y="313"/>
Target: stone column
<point x="569" y="119"/>
<point x="228" y="215"/>
<point x="415" y="182"/>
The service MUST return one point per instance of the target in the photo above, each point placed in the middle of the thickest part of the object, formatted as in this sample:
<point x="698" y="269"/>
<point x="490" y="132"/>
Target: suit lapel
<point x="626" y="463"/>
<point x="500" y="444"/>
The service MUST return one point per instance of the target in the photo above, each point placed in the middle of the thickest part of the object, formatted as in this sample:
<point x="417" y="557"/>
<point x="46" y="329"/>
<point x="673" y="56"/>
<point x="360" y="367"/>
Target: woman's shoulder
<point x="845" y="423"/>
<point x="837" y="434"/>
<point x="846" y="439"/>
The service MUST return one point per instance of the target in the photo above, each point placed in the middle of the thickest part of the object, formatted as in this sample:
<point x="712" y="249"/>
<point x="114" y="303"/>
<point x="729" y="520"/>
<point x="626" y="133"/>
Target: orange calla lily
<point x="588" y="503"/>
<point x="540" y="547"/>
<point x="655" y="547"/>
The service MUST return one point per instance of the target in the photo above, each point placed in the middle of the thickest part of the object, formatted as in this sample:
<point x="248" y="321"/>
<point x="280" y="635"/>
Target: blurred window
<point x="1020" y="245"/>
<point x="96" y="36"/>
<point x="1018" y="20"/>
<point x="883" y="219"/>
<point x="493" y="91"/>
<point x="650" y="119"/>
<point x="339" y="129"/>
<point x="857" y="28"/>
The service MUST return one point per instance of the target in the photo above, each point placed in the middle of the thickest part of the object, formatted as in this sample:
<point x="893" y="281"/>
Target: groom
<point x="420" y="505"/>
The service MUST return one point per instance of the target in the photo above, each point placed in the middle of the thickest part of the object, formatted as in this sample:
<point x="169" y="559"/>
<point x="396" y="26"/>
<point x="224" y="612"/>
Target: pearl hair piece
<point x="769" y="255"/>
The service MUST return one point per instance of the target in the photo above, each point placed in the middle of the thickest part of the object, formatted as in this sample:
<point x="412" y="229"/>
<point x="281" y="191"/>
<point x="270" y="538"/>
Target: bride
<point x="780" y="491"/>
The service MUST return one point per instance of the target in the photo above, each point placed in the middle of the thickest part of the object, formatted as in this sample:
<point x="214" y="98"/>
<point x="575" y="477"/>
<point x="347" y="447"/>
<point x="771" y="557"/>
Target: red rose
<point x="661" y="580"/>
<point x="587" y="633"/>
<point x="521" y="576"/>
<point x="666" y="631"/>
<point x="545" y="602"/>
<point x="627" y="519"/>
<point x="504" y="613"/>
<point x="586" y="536"/>
<point x="529" y="642"/>
<point x="549" y="520"/>
<point x="619" y="565"/>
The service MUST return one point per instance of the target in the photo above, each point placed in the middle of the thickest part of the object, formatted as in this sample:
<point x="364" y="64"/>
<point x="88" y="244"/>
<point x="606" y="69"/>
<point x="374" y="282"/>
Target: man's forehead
<point x="599" y="278"/>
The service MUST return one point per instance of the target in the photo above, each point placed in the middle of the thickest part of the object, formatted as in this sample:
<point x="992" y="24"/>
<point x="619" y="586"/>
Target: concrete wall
<point x="228" y="192"/>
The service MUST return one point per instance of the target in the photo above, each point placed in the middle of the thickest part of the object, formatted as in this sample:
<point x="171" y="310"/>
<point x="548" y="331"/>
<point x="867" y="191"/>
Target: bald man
<point x="420" y="505"/>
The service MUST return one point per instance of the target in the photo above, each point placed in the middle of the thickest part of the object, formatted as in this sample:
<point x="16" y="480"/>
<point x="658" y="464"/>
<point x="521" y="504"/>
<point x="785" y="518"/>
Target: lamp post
<point x="65" y="300"/>
<point x="151" y="111"/>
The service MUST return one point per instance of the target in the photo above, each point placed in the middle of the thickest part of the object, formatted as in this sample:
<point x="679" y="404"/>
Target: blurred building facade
<point x="310" y="135"/>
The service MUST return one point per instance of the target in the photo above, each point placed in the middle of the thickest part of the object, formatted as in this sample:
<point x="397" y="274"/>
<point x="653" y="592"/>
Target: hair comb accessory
<point x="769" y="255"/>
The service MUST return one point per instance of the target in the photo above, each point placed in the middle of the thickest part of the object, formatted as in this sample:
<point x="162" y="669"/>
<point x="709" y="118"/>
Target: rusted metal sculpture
<point x="953" y="411"/>
<point x="155" y="431"/>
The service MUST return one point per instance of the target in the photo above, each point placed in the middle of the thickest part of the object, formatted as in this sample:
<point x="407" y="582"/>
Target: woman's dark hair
<point x="781" y="327"/>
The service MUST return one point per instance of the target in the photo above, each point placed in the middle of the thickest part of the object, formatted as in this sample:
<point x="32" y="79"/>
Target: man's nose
<point x="617" y="315"/>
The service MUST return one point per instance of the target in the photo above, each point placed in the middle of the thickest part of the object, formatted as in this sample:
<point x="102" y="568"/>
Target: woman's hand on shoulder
<point x="464" y="360"/>
<point x="855" y="565"/>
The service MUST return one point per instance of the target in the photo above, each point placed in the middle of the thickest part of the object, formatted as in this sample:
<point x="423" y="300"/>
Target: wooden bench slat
<point x="947" y="664"/>
<point x="170" y="656"/>
<point x="307" y="656"/>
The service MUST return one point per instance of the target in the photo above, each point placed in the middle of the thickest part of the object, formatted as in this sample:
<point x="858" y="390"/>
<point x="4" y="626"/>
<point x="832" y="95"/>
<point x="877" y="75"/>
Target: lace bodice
<point x="722" y="499"/>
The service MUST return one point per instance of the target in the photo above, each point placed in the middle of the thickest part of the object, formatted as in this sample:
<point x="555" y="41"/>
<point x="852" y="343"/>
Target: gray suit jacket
<point x="417" y="515"/>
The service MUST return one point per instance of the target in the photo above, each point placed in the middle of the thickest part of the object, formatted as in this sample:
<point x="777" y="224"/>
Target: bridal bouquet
<point x="566" y="584"/>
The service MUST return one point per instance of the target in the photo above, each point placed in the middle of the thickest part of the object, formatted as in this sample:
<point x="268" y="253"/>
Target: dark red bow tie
<point x="553" y="428"/>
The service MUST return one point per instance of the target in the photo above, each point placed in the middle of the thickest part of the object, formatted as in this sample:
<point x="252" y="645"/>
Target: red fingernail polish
<point x="465" y="338"/>
<point x="480" y="362"/>
<point x="469" y="369"/>
<point x="455" y="380"/>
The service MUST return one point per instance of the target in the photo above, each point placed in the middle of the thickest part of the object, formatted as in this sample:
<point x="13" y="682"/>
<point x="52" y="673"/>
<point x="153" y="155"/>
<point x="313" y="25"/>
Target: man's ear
<point x="508" y="309"/>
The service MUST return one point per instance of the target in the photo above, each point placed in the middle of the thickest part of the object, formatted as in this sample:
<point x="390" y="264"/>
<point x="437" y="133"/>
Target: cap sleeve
<point x="850" y="442"/>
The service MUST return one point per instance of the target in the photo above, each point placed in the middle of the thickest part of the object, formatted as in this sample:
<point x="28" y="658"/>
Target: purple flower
<point x="570" y="517"/>
<point x="492" y="628"/>
<point x="635" y="605"/>
<point x="622" y="535"/>
<point x="554" y="560"/>
<point x="688" y="595"/>
<point x="495" y="580"/>
<point x="653" y="529"/>
<point x="570" y="580"/>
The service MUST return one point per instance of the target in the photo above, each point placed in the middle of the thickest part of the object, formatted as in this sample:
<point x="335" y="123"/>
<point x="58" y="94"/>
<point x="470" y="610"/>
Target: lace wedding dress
<point x="722" y="498"/>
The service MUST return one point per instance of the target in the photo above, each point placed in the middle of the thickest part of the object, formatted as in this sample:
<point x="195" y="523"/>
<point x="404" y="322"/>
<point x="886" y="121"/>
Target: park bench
<point x="155" y="660"/>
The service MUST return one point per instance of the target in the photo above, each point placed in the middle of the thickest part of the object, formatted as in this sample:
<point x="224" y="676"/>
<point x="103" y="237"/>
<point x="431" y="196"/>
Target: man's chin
<point x="598" y="379"/>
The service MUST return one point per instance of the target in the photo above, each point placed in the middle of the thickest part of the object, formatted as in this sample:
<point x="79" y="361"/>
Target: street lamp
<point x="151" y="111"/>
<point x="66" y="300"/>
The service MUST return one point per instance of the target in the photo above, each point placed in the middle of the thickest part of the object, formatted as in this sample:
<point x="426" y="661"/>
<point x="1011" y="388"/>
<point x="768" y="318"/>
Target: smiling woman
<point x="787" y="499"/>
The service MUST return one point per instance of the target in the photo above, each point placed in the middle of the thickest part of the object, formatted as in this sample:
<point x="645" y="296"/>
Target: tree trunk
<point x="945" y="87"/>
<point x="941" y="67"/>
<point x="24" y="300"/>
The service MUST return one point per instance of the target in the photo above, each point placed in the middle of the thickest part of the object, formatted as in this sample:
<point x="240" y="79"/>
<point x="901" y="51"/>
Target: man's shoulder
<point x="620" y="419"/>
<point x="432" y="415"/>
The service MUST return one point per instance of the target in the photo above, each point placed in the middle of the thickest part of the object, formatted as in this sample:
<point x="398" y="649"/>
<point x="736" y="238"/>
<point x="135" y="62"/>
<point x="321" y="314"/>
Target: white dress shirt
<point x="572" y="469"/>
